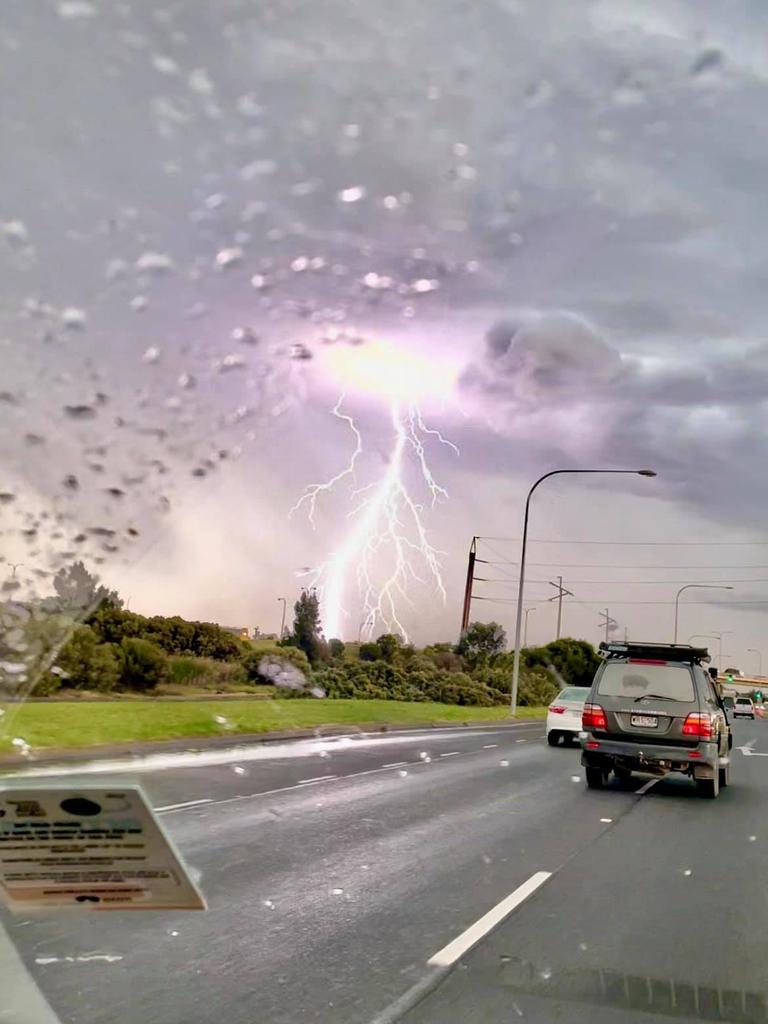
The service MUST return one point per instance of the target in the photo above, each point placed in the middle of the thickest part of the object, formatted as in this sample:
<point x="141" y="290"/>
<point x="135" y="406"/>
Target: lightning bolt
<point x="386" y="527"/>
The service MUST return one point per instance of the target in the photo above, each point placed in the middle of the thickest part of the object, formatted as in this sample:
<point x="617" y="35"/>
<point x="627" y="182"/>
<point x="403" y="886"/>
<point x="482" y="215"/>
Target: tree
<point x="570" y="662"/>
<point x="336" y="647"/>
<point x="370" y="651"/>
<point x="87" y="664"/>
<point x="481" y="642"/>
<point x="306" y="626"/>
<point x="389" y="645"/>
<point x="145" y="665"/>
<point x="79" y="591"/>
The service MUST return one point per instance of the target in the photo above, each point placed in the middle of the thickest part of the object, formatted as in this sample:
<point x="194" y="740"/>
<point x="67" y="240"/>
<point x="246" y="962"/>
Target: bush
<point x="252" y="661"/>
<point x="86" y="664"/>
<point x="172" y="634"/>
<point x="206" y="673"/>
<point x="536" y="689"/>
<point x="370" y="652"/>
<point x="145" y="665"/>
<point x="336" y="648"/>
<point x="570" y="662"/>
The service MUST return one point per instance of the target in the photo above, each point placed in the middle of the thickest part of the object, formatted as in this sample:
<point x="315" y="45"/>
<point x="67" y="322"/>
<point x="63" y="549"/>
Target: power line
<point x="611" y="565"/>
<point x="688" y="604"/>
<point x="635" y="583"/>
<point x="638" y="543"/>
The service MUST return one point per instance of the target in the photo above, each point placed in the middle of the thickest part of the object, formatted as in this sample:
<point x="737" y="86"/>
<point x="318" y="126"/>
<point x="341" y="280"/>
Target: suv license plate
<point x="644" y="721"/>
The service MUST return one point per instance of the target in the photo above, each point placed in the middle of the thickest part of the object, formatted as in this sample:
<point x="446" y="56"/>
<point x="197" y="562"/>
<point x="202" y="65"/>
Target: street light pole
<point x="693" y="586"/>
<point x="519" y="617"/>
<point x="753" y="650"/>
<point x="525" y="628"/>
<point x="282" y="621"/>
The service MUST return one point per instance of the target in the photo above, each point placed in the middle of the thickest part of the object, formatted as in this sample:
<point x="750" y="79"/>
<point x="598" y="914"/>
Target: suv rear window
<point x="624" y="679"/>
<point x="743" y="700"/>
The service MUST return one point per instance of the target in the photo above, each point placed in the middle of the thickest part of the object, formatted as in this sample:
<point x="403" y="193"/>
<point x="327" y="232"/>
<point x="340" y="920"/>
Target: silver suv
<point x="654" y="708"/>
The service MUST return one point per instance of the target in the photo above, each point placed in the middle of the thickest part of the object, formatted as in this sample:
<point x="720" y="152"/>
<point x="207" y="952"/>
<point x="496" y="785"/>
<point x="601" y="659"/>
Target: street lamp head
<point x="646" y="472"/>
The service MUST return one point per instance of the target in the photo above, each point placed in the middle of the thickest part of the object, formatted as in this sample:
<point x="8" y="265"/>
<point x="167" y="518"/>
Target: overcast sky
<point x="541" y="225"/>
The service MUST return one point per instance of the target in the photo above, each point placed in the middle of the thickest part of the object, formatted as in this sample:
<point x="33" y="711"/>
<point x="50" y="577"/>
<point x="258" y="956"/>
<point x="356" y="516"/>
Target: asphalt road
<point x="336" y="870"/>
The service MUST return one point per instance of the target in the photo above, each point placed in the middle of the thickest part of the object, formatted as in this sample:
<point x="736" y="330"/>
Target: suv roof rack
<point x="654" y="651"/>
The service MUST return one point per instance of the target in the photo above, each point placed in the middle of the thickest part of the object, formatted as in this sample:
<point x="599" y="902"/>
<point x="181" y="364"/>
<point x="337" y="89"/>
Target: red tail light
<point x="698" y="723"/>
<point x="593" y="717"/>
<point x="556" y="709"/>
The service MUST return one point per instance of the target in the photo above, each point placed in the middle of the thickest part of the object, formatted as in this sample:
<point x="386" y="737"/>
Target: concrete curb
<point x="51" y="755"/>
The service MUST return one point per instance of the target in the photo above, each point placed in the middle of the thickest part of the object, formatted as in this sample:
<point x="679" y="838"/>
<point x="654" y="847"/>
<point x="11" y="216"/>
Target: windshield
<point x="632" y="681"/>
<point x="365" y="367"/>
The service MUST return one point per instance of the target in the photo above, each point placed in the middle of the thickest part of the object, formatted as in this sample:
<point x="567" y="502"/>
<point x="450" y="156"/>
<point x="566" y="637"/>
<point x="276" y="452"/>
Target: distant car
<point x="654" y="708"/>
<point x="564" y="715"/>
<point x="743" y="708"/>
<point x="734" y="672"/>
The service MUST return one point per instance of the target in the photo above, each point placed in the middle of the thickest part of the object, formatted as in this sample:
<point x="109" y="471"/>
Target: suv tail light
<point x="593" y="717"/>
<point x="698" y="723"/>
<point x="557" y="709"/>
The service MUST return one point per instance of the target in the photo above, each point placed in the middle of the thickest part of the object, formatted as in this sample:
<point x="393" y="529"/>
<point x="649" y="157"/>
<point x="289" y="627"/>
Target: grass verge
<point x="85" y="724"/>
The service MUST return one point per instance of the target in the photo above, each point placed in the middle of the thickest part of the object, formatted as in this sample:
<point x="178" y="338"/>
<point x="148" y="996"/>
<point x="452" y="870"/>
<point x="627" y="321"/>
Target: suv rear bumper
<point x="653" y="757"/>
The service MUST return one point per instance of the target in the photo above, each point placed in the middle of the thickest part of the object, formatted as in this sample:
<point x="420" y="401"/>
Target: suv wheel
<point x="553" y="738"/>
<point x="595" y="778"/>
<point x="708" y="788"/>
<point x="624" y="775"/>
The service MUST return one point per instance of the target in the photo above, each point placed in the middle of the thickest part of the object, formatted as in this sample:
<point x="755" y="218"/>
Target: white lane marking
<point x="451" y="753"/>
<point x="521" y="741"/>
<point x="606" y="821"/>
<point x="461" y="944"/>
<point x="317" y="778"/>
<point x="489" y="746"/>
<point x="394" y="764"/>
<point x="187" y="803"/>
<point x="747" y="750"/>
<point x="647" y="786"/>
<point x="287" y="789"/>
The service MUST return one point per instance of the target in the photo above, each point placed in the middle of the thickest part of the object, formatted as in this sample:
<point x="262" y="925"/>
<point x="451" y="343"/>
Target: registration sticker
<point x="96" y="848"/>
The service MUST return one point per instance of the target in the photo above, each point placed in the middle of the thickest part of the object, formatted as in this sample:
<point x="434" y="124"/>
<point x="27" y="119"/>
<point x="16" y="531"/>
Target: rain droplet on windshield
<point x="351" y="195"/>
<point x="15" y="231"/>
<point x="246" y="335"/>
<point x="229" y="257"/>
<point x="80" y="412"/>
<point x="73" y="318"/>
<point x="151" y="355"/>
<point x="156" y="262"/>
<point x="232" y="362"/>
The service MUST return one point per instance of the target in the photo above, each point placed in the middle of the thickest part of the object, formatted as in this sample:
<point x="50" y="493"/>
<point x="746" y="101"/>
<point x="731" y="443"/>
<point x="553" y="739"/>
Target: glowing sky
<point x="544" y="221"/>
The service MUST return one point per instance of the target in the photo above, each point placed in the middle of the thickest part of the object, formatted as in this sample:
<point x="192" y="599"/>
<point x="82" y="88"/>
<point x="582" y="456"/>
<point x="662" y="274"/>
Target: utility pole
<point x="561" y="592"/>
<point x="282" y="621"/>
<point x="468" y="586"/>
<point x="608" y="623"/>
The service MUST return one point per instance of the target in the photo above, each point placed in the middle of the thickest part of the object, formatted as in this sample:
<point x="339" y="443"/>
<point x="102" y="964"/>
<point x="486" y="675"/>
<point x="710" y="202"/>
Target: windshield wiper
<point x="653" y="696"/>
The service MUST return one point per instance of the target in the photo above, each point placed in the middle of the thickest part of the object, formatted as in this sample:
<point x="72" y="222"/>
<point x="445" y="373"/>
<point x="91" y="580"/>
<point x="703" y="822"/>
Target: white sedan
<point x="564" y="715"/>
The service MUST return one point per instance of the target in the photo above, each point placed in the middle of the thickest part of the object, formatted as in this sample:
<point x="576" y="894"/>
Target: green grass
<point x="85" y="724"/>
